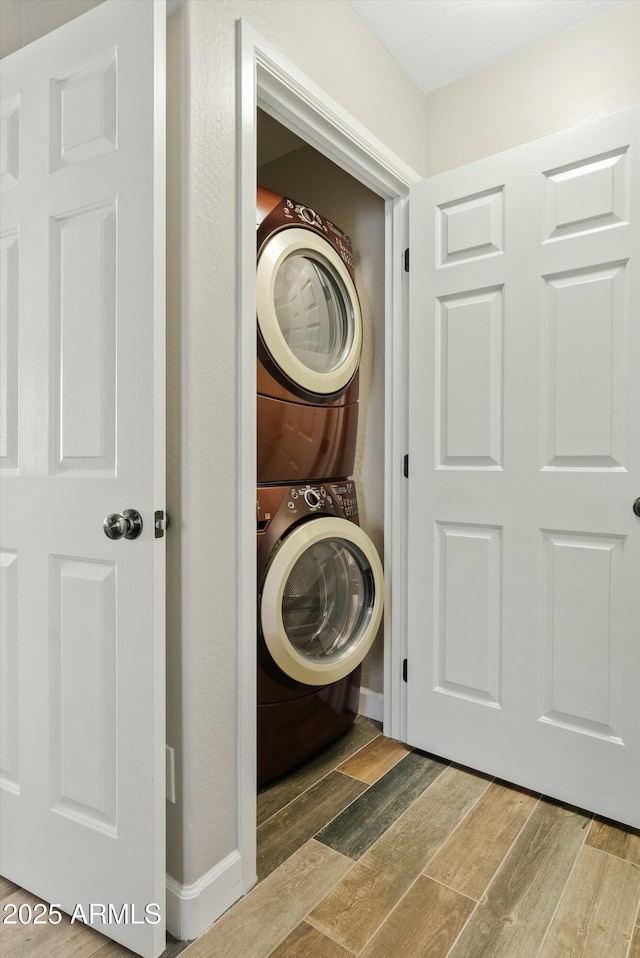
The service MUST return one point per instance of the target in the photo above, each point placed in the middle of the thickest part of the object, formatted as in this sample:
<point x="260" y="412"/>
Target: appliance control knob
<point x="312" y="498"/>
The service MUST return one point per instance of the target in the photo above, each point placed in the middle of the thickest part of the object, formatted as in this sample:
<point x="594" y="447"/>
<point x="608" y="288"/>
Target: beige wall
<point x="22" y="21"/>
<point x="579" y="75"/>
<point x="308" y="176"/>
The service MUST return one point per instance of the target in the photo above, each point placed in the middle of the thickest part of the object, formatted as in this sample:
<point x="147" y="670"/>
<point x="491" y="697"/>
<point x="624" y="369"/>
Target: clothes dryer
<point x="309" y="344"/>
<point x="320" y="601"/>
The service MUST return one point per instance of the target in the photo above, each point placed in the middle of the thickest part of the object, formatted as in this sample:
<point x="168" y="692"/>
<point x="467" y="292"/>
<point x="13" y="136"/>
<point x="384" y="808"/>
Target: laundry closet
<point x="288" y="166"/>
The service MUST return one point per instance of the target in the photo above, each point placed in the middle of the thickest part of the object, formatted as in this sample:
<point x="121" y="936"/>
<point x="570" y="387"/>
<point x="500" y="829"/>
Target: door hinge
<point x="406" y="260"/>
<point x="160" y="524"/>
<point x="405" y="466"/>
<point x="404" y="670"/>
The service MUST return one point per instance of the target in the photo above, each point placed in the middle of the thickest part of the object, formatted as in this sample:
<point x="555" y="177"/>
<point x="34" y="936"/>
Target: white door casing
<point x="82" y="762"/>
<point x="524" y="552"/>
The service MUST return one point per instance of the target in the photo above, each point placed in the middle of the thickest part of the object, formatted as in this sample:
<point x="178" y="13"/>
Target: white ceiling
<point x="438" y="41"/>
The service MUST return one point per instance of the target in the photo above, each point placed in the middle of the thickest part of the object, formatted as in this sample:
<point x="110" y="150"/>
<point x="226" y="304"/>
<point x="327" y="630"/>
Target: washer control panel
<point x="278" y="508"/>
<point x="345" y="495"/>
<point x="291" y="503"/>
<point x="333" y="498"/>
<point x="313" y="497"/>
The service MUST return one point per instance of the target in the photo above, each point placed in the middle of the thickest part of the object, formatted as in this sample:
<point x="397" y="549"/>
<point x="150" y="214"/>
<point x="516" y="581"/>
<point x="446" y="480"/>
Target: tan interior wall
<point x="23" y="21"/>
<point x="579" y="75"/>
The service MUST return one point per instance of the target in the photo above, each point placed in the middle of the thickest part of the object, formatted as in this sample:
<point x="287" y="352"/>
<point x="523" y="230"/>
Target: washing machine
<point x="320" y="601"/>
<point x="309" y="344"/>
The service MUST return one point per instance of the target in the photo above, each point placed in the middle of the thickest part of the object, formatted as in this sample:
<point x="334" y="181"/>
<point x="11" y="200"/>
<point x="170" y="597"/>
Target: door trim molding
<point x="290" y="97"/>
<point x="266" y="79"/>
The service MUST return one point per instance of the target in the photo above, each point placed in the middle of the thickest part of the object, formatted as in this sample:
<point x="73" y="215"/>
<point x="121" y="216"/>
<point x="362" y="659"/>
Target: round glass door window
<point x="314" y="312"/>
<point x="308" y="311"/>
<point x="322" y="600"/>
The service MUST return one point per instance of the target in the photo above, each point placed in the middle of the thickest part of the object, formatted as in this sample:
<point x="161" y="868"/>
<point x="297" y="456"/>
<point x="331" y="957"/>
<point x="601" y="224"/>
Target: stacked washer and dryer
<point x="320" y="581"/>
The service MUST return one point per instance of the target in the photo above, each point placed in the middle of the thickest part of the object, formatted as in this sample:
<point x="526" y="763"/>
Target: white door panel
<point x="82" y="415"/>
<point x="524" y="552"/>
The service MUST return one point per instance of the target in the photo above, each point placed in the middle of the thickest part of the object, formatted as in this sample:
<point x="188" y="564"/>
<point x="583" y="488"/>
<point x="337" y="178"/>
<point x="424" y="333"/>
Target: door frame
<point x="266" y="79"/>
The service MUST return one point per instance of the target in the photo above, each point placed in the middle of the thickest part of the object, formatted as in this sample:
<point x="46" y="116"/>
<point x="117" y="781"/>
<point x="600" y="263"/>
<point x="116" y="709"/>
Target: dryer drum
<point x="309" y="319"/>
<point x="305" y="282"/>
<point x="321" y="600"/>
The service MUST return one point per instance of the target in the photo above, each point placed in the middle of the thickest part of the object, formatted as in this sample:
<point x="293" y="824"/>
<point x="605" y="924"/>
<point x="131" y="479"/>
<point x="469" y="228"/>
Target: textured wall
<point x="22" y="21"/>
<point x="571" y="78"/>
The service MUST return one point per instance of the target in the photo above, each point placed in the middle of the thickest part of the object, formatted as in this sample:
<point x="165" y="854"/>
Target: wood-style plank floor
<point x="380" y="851"/>
<point x="62" y="940"/>
<point x="376" y="850"/>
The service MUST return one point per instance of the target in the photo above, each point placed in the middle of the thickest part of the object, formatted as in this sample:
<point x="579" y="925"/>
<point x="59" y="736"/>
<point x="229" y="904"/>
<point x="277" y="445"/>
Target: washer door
<point x="322" y="600"/>
<point x="308" y="311"/>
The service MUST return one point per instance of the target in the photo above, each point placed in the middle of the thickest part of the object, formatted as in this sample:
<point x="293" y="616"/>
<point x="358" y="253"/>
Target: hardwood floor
<point x="376" y="850"/>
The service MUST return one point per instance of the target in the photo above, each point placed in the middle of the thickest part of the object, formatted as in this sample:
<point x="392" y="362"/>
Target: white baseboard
<point x="371" y="704"/>
<point x="191" y="909"/>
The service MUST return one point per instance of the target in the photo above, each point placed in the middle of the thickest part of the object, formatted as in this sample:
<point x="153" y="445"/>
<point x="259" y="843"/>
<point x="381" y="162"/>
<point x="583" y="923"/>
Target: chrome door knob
<point x="125" y="525"/>
<point x="636" y="507"/>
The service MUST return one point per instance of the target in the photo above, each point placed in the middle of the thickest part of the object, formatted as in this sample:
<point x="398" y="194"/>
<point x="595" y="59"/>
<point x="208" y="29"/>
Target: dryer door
<point x="308" y="312"/>
<point x="322" y="600"/>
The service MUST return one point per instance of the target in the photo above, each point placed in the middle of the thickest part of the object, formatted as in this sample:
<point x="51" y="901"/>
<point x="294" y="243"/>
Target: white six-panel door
<point x="82" y="420"/>
<point x="524" y="551"/>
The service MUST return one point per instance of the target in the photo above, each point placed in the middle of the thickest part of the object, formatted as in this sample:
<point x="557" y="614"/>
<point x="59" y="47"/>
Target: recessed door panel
<point x="470" y="228"/>
<point x="84" y="104"/>
<point x="82" y="674"/>
<point x="9" y="672"/>
<point x="582" y="629"/>
<point x="84" y="287"/>
<point x="469" y="374"/>
<point x="10" y="142"/>
<point x="9" y="320"/>
<point x="591" y="194"/>
<point x="585" y="370"/>
<point x="469" y="633"/>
